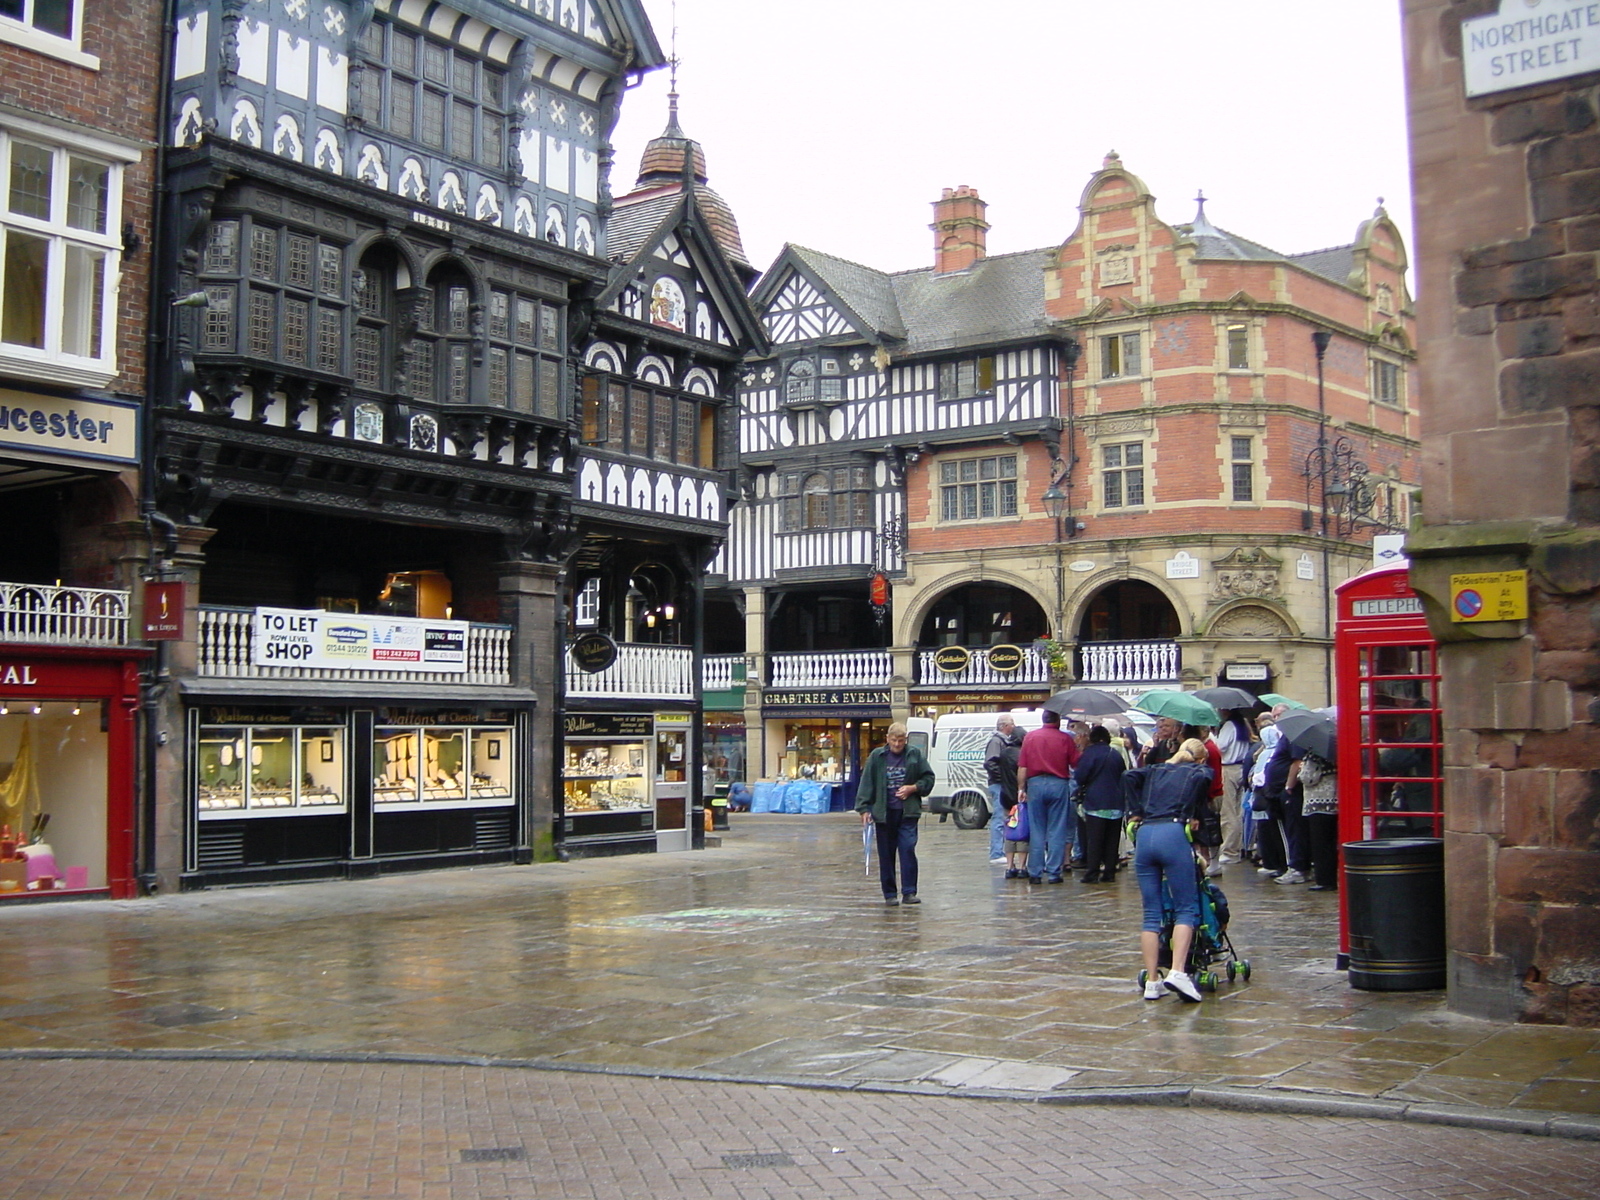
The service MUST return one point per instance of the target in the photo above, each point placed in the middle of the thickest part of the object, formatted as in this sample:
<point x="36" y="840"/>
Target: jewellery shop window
<point x="262" y="770"/>
<point x="605" y="777"/>
<point x="423" y="767"/>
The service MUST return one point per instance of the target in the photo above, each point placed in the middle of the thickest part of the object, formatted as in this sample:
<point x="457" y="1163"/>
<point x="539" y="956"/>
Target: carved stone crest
<point x="1245" y="573"/>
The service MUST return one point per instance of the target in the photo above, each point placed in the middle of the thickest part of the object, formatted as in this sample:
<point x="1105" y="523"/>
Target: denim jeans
<point x="1049" y="815"/>
<point x="997" y="822"/>
<point x="1163" y="854"/>
<point x="897" y="837"/>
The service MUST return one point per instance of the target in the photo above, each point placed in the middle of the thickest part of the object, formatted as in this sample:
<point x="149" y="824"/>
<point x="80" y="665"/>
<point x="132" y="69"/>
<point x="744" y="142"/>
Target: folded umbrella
<point x="1226" y="697"/>
<point x="1179" y="706"/>
<point x="1311" y="731"/>
<point x="1274" y="699"/>
<point x="1086" y="702"/>
<point x="866" y="846"/>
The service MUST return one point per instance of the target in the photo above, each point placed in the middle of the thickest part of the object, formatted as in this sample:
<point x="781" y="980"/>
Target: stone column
<point x="531" y="603"/>
<point x="755" y="669"/>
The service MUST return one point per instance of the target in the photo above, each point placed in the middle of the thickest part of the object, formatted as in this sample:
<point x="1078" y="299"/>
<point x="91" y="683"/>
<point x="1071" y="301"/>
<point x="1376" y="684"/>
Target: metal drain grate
<point x="494" y="1154"/>
<point x="757" y="1160"/>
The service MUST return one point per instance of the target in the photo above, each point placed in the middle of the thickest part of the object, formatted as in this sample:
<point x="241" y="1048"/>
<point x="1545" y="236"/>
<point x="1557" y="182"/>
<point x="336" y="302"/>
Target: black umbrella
<point x="1085" y="702"/>
<point x="1226" y="697"/>
<point x="1311" y="731"/>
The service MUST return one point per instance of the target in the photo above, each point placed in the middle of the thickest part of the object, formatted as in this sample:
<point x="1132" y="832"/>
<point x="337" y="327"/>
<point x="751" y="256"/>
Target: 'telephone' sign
<point x="1530" y="41"/>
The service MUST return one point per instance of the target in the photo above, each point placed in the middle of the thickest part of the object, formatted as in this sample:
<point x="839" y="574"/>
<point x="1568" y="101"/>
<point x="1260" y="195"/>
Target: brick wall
<point x="1507" y="189"/>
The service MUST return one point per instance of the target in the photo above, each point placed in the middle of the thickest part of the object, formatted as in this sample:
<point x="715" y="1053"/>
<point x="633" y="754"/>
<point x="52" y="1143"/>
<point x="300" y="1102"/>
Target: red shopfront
<point x="1391" y="752"/>
<point x="67" y="771"/>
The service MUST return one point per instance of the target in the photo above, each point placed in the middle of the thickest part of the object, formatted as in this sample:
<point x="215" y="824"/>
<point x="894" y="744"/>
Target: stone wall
<point x="1507" y="193"/>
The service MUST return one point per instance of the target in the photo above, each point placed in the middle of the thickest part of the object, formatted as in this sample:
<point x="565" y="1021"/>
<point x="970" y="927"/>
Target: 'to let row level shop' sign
<point x="297" y="637"/>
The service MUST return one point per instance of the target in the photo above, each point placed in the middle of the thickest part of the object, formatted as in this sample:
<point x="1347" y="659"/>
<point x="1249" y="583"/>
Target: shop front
<point x="824" y="736"/>
<point x="626" y="782"/>
<point x="67" y="771"/>
<point x="293" y="791"/>
<point x="935" y="704"/>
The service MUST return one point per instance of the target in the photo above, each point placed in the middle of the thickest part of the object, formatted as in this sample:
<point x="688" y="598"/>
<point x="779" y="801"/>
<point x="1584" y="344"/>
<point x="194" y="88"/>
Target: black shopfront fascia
<point x="290" y="828"/>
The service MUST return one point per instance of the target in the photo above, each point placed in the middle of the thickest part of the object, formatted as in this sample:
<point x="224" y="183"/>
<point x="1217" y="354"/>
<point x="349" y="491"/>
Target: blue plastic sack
<point x="1016" y="827"/>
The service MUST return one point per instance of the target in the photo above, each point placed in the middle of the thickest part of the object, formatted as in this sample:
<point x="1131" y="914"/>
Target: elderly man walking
<point x="1000" y="766"/>
<point x="1044" y="771"/>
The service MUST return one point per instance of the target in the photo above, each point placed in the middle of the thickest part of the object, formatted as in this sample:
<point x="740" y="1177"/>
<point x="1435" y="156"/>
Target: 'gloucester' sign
<point x="1530" y="41"/>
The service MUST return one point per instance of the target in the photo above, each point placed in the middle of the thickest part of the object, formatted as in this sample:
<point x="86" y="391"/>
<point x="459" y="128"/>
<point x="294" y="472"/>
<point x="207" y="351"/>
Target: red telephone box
<point x="1391" y="760"/>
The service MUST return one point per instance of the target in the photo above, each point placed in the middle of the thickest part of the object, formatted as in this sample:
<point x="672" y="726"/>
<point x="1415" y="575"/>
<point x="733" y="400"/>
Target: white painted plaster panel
<point x="255" y="46"/>
<point x="294" y="64"/>
<point x="189" y="51"/>
<point x="557" y="164"/>
<point x="333" y="79"/>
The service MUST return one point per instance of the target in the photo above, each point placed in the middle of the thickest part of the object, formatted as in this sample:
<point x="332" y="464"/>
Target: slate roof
<point x="1212" y="243"/>
<point x="635" y="217"/>
<point x="1334" y="263"/>
<point x="997" y="299"/>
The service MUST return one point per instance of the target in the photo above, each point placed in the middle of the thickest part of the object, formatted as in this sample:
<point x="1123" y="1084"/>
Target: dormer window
<point x="812" y="381"/>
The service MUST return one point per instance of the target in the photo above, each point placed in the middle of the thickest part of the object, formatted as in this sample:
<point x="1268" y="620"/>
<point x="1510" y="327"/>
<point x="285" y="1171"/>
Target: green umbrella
<point x="1274" y="699"/>
<point x="1180" y="706"/>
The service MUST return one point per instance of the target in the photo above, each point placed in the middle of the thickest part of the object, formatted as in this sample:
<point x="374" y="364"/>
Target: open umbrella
<point x="1311" y="731"/>
<point x="1086" y="702"/>
<point x="1226" y="697"/>
<point x="1274" y="699"/>
<point x="1180" y="706"/>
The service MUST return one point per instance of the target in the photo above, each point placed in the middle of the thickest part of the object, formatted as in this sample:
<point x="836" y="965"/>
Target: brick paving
<point x="193" y="1130"/>
<point x="769" y="957"/>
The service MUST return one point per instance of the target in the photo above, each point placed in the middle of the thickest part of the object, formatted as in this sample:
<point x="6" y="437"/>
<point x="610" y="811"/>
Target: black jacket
<point x="1168" y="791"/>
<point x="1099" y="774"/>
<point x="1000" y="763"/>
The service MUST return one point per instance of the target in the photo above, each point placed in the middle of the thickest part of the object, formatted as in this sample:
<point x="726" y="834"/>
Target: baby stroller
<point x="1211" y="947"/>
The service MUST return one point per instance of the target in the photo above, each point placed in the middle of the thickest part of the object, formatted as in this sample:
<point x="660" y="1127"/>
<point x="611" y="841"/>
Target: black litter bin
<point x="1395" y="893"/>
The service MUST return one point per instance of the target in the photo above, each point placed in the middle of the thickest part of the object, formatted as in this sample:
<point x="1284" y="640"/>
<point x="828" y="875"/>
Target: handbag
<point x="1017" y="823"/>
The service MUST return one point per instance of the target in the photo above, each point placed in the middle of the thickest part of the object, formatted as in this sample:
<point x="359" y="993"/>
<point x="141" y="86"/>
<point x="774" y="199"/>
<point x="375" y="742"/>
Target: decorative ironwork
<point x="1339" y="490"/>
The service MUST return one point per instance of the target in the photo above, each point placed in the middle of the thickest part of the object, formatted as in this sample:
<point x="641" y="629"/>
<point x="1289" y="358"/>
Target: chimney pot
<point x="960" y="233"/>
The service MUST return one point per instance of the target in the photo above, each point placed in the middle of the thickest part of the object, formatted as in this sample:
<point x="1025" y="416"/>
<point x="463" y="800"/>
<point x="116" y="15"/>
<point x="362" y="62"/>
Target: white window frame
<point x="1228" y="344"/>
<point x="48" y="363"/>
<point x="998" y="491"/>
<point x="67" y="49"/>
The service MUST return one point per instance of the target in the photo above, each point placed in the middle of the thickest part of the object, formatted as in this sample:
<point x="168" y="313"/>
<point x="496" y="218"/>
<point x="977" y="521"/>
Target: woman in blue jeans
<point x="1163" y="802"/>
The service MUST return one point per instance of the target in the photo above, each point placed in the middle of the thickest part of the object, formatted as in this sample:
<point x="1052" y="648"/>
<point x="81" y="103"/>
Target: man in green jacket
<point x="894" y="779"/>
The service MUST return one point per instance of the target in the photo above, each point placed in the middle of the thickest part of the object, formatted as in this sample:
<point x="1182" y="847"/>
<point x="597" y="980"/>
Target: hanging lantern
<point x="880" y="589"/>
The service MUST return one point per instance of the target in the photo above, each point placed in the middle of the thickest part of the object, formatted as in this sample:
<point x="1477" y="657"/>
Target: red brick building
<point x="78" y="96"/>
<point x="1508" y="228"/>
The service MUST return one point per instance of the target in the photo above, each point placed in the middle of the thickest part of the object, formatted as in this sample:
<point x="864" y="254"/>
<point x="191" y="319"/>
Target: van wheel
<point x="971" y="811"/>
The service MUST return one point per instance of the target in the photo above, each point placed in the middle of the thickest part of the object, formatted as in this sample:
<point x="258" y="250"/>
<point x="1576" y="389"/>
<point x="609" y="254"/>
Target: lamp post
<point x="1054" y="501"/>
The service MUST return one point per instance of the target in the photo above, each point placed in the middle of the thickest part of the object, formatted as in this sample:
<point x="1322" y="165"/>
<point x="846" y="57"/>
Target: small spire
<point x="1380" y="211"/>
<point x="1112" y="159"/>
<point x="1202" y="225"/>
<point x="673" y="129"/>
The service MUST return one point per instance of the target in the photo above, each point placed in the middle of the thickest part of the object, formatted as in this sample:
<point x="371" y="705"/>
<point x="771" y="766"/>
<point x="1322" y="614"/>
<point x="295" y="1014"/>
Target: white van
<point x="955" y="749"/>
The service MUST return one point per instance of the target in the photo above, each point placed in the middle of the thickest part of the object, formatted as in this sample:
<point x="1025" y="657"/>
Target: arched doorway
<point x="983" y="614"/>
<point x="1127" y="637"/>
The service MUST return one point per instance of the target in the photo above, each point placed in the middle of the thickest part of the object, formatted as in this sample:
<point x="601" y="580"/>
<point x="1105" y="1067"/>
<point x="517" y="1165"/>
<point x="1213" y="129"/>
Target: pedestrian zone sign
<point x="1489" y="596"/>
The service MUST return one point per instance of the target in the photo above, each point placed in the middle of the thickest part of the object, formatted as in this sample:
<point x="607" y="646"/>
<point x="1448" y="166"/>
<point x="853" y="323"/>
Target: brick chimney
<point x="959" y="230"/>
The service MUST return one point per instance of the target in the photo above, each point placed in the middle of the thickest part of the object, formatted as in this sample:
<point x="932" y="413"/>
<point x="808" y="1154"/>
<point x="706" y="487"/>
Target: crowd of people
<point x="1092" y="796"/>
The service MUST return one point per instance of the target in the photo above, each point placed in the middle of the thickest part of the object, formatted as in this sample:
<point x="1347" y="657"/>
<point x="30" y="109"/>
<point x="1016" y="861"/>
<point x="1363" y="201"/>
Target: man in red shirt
<point x="1044" y="775"/>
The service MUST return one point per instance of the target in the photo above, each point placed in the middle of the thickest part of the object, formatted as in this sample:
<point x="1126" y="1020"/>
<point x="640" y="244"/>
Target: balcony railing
<point x="721" y="672"/>
<point x="63" y="616"/>
<point x="830" y="669"/>
<point x="1034" y="671"/>
<point x="227" y="636"/>
<point x="1101" y="663"/>
<point x="641" y="672"/>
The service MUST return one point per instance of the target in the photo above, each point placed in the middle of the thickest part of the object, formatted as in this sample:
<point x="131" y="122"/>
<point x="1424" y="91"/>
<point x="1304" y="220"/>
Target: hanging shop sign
<point x="880" y="589"/>
<point x="593" y="652"/>
<point x="1005" y="657"/>
<point x="1512" y="49"/>
<point x="951" y="659"/>
<point x="163" y="612"/>
<point x="297" y="637"/>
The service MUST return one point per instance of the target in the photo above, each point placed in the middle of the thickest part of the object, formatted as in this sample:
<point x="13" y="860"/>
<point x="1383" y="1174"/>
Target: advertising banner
<point x="297" y="637"/>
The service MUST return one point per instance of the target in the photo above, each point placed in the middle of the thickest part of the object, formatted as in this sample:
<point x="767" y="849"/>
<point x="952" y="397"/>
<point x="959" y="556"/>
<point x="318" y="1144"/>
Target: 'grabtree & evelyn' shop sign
<point x="1530" y="41"/>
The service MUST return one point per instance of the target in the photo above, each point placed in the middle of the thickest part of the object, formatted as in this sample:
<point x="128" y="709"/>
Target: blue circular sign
<point x="1468" y="603"/>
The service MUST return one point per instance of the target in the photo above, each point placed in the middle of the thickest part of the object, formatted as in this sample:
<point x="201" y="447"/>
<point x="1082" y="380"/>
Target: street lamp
<point x="1055" y="503"/>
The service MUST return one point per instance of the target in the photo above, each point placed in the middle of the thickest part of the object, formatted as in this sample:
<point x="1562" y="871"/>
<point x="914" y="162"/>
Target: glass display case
<point x="430" y="766"/>
<point x="261" y="770"/>
<point x="605" y="777"/>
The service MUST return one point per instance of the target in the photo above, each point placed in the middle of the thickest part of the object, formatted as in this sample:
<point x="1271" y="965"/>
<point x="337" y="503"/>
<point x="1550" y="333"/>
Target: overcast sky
<point x="834" y="124"/>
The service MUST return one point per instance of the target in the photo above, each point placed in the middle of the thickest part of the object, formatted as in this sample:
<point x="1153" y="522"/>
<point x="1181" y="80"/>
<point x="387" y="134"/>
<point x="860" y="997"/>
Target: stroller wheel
<point x="1207" y="981"/>
<point x="1144" y="976"/>
<point x="1244" y="969"/>
<point x="1233" y="971"/>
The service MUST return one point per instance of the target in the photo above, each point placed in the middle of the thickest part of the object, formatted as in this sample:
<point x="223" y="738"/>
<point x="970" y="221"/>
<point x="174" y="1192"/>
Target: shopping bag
<point x="1017" y="823"/>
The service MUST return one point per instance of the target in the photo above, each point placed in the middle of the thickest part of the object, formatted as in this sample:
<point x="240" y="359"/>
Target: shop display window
<point x="52" y="796"/>
<point x="264" y="769"/>
<point x="454" y="765"/>
<point x="814" y="750"/>
<point x="605" y="777"/>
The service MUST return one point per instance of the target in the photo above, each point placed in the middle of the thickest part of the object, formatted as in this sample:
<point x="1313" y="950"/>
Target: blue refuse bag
<point x="813" y="797"/>
<point x="761" y="797"/>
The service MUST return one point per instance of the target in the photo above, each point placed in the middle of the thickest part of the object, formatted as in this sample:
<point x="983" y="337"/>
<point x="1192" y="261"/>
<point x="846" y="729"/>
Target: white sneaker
<point x="1290" y="876"/>
<point x="1178" y="981"/>
<point x="1153" y="989"/>
<point x="999" y="859"/>
<point x="1215" y="869"/>
<point x="1227" y="860"/>
<point x="1265" y="871"/>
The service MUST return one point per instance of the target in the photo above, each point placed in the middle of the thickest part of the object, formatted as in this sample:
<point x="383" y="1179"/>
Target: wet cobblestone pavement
<point x="770" y="958"/>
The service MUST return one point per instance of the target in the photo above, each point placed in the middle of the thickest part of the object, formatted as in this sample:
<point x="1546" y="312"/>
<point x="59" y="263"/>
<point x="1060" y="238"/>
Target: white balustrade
<point x="831" y="669"/>
<point x="1035" y="669"/>
<point x="1128" y="662"/>
<point x="75" y="616"/>
<point x="719" y="672"/>
<point x="643" y="672"/>
<point x="227" y="636"/>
